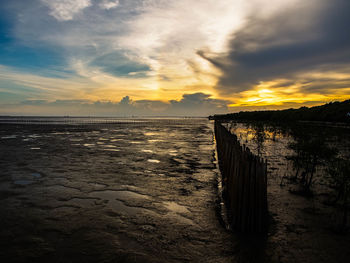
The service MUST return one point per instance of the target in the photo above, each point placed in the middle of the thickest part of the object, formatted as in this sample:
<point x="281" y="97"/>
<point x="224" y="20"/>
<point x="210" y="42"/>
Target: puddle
<point x="155" y="140"/>
<point x="23" y="182"/>
<point x="153" y="161"/>
<point x="147" y="151"/>
<point x="112" y="150"/>
<point x="116" y="140"/>
<point x="135" y="142"/>
<point x="89" y="144"/>
<point x="110" y="146"/>
<point x="151" y="133"/>
<point x="76" y="140"/>
<point x="9" y="137"/>
<point x="175" y="207"/>
<point x="35" y="148"/>
<point x="36" y="175"/>
<point x="34" y="136"/>
<point x="173" y="152"/>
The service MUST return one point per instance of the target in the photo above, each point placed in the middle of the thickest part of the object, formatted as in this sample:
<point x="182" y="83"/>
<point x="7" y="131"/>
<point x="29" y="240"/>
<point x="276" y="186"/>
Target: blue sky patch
<point x="119" y="65"/>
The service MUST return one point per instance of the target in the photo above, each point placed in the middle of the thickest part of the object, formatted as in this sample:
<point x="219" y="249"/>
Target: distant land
<point x="330" y="112"/>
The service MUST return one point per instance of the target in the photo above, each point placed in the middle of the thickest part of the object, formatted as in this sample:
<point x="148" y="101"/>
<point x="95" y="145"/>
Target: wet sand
<point x="131" y="193"/>
<point x="116" y="193"/>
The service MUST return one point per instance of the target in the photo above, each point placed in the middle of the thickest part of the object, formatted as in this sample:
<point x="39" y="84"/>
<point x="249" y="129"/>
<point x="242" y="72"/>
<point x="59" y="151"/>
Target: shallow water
<point x="302" y="227"/>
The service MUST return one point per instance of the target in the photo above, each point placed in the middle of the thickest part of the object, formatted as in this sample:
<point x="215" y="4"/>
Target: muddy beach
<point x="110" y="194"/>
<point x="141" y="193"/>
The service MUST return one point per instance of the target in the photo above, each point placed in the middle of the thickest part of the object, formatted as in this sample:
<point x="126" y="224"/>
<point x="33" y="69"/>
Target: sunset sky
<point x="162" y="57"/>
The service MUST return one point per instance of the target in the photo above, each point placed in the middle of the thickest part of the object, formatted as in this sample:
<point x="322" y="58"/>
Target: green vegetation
<point x="330" y="112"/>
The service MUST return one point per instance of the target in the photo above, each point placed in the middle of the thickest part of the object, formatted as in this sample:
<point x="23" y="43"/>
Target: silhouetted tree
<point x="259" y="135"/>
<point x="331" y="112"/>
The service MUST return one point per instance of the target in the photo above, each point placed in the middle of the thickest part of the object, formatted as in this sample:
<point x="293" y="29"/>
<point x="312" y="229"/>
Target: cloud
<point x="34" y="86"/>
<point x="64" y="10"/>
<point x="197" y="104"/>
<point x="149" y="40"/>
<point x="292" y="44"/>
<point x="125" y="101"/>
<point x="157" y="50"/>
<point x="109" y="4"/>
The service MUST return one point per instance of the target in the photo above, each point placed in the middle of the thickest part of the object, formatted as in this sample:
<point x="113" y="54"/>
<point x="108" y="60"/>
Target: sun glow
<point x="278" y="94"/>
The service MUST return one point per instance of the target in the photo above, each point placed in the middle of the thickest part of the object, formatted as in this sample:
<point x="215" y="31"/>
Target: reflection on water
<point x="89" y="144"/>
<point x="147" y="151"/>
<point x="310" y="159"/>
<point x="112" y="150"/>
<point x="36" y="175"/>
<point x="155" y="140"/>
<point x="9" y="137"/>
<point x="153" y="161"/>
<point x="305" y="196"/>
<point x="23" y="182"/>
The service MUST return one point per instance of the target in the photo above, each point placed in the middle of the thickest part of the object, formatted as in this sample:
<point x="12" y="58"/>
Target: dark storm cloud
<point x="284" y="45"/>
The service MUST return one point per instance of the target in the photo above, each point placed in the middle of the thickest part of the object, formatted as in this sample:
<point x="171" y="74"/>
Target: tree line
<point x="330" y="112"/>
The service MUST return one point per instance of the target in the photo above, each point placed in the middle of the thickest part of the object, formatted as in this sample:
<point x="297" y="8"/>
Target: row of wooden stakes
<point x="244" y="179"/>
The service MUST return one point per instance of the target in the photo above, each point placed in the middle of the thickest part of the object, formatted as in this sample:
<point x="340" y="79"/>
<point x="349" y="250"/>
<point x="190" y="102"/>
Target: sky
<point x="171" y="58"/>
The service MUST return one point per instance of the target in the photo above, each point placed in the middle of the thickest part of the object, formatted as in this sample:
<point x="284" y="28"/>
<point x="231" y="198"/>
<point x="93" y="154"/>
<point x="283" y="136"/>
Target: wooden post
<point x="245" y="181"/>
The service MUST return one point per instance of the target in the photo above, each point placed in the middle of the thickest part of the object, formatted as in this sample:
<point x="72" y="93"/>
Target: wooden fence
<point x="244" y="181"/>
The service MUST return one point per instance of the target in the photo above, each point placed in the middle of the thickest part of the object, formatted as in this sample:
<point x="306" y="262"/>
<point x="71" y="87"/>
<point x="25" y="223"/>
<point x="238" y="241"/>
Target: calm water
<point x="110" y="193"/>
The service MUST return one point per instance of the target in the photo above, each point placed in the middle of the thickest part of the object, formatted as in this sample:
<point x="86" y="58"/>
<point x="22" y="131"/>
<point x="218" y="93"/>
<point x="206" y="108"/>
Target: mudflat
<point x="113" y="193"/>
<point x="143" y="193"/>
